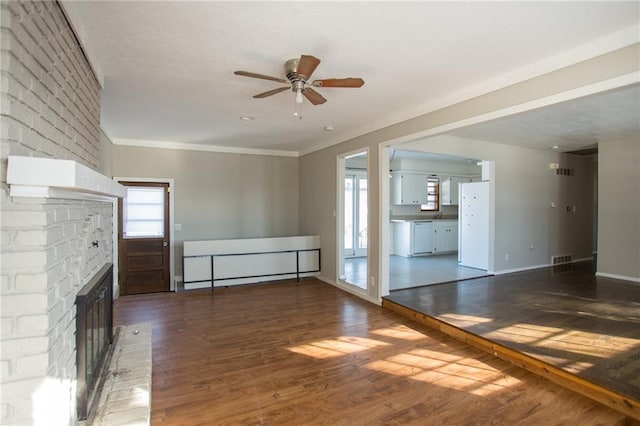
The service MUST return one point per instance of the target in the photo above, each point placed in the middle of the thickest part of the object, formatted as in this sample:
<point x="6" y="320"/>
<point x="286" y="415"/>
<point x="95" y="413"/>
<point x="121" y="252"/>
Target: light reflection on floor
<point x="442" y="368"/>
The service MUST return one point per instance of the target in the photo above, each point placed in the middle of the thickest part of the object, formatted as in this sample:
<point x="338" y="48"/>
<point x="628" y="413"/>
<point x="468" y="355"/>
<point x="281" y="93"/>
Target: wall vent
<point x="564" y="258"/>
<point x="563" y="171"/>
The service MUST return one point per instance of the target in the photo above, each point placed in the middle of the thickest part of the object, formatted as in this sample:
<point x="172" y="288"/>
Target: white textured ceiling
<point x="168" y="66"/>
<point x="567" y="126"/>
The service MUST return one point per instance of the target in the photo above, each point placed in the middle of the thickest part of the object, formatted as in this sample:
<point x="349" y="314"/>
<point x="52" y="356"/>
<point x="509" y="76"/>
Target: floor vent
<point x="558" y="260"/>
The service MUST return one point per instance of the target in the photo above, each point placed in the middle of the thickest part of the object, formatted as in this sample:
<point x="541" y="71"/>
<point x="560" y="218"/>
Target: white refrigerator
<point x="473" y="250"/>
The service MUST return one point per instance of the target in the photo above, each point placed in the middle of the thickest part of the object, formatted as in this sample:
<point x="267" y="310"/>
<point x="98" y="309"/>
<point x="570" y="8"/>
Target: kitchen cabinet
<point x="449" y="189"/>
<point x="408" y="188"/>
<point x="445" y="236"/>
<point x="414" y="238"/>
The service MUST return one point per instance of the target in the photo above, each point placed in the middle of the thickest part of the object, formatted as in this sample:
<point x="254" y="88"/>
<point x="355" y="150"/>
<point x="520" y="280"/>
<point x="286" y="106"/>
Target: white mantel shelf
<point x="53" y="178"/>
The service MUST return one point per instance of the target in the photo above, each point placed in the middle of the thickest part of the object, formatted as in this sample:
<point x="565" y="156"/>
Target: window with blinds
<point x="143" y="212"/>
<point x="433" y="195"/>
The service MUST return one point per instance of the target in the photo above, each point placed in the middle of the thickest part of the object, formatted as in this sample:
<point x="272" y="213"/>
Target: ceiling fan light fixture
<point x="297" y="106"/>
<point x="298" y="96"/>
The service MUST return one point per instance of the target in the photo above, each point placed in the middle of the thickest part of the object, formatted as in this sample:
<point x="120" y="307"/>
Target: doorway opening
<point x="426" y="232"/>
<point x="353" y="219"/>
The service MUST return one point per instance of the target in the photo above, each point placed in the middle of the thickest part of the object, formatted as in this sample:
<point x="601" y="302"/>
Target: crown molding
<point x="201" y="147"/>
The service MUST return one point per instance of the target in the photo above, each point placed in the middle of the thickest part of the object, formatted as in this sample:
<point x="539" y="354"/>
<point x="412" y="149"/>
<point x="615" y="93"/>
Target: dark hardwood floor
<point x="565" y="317"/>
<point x="303" y="353"/>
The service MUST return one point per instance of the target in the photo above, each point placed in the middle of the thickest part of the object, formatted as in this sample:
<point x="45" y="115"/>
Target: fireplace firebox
<point x="94" y="336"/>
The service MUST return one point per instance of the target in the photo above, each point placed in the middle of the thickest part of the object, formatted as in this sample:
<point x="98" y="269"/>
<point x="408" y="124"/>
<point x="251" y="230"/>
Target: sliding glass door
<point x="355" y="214"/>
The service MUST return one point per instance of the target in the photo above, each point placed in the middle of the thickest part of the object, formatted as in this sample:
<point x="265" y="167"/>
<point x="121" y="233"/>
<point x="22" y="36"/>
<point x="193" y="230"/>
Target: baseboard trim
<point x="618" y="277"/>
<point x="524" y="268"/>
<point x="544" y="265"/>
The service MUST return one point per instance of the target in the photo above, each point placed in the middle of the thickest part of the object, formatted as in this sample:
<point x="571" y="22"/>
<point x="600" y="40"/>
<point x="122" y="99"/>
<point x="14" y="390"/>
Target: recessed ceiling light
<point x="555" y="147"/>
<point x="328" y="128"/>
<point x="246" y="118"/>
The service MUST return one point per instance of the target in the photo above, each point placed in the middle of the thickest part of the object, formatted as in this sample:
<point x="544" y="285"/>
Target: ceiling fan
<point x="298" y="72"/>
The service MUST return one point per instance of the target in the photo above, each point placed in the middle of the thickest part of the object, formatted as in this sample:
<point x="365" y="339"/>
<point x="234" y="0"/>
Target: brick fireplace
<point x="58" y="219"/>
<point x="55" y="238"/>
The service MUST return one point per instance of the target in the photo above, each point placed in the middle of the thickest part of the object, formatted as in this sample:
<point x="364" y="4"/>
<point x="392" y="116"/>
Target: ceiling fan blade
<point x="313" y="96"/>
<point x="264" y="77"/>
<point x="307" y="65"/>
<point x="271" y="92"/>
<point x="339" y="82"/>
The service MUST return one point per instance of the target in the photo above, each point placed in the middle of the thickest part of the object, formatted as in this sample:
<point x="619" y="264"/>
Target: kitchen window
<point x="433" y="195"/>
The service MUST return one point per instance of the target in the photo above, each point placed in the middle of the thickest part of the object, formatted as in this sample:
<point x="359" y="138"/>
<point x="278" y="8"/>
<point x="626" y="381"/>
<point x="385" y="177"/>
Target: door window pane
<point x="143" y="212"/>
<point x="362" y="213"/>
<point x="348" y="213"/>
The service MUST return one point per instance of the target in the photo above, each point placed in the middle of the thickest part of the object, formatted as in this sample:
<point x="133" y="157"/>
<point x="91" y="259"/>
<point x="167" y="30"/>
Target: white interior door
<point x="474" y="225"/>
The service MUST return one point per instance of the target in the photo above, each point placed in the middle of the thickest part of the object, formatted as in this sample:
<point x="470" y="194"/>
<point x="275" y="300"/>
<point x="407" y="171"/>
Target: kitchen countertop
<point x="421" y="218"/>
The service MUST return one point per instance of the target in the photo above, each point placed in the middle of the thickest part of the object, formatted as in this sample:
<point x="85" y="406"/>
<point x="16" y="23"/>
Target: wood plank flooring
<point x="580" y="329"/>
<point x="292" y="353"/>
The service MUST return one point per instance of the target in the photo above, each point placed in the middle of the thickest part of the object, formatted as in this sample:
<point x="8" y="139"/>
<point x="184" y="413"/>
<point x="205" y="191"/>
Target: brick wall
<point x="50" y="107"/>
<point x="50" y="99"/>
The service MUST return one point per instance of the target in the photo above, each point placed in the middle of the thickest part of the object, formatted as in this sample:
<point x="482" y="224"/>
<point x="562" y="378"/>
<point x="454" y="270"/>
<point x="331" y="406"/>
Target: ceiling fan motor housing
<point x="297" y="80"/>
<point x="291" y="70"/>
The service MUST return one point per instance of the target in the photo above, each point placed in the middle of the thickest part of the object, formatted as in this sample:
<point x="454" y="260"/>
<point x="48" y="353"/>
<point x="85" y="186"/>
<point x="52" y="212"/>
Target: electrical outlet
<point x="372" y="282"/>
<point x="506" y="257"/>
<point x="532" y="247"/>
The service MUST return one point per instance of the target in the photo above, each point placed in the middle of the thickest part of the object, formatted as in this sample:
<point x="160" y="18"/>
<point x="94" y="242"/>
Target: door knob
<point x="164" y="244"/>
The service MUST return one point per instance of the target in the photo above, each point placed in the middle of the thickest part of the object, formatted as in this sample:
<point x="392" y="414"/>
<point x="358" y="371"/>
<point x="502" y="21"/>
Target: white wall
<point x="619" y="208"/>
<point x="104" y="166"/>
<point x="440" y="167"/>
<point x="219" y="195"/>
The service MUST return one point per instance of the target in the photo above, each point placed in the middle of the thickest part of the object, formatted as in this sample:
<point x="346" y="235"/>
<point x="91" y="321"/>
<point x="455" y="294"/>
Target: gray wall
<point x="524" y="190"/>
<point x="318" y="205"/>
<point x="619" y="208"/>
<point x="220" y="195"/>
<point x="318" y="169"/>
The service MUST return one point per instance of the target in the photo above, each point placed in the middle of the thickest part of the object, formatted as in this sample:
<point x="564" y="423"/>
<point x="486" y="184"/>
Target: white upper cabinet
<point x="408" y="188"/>
<point x="449" y="191"/>
<point x="449" y="188"/>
